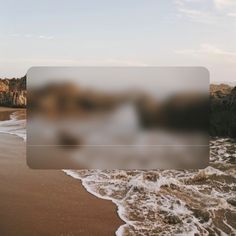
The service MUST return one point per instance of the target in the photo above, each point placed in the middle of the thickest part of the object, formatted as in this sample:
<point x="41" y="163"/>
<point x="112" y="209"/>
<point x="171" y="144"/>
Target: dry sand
<point x="39" y="202"/>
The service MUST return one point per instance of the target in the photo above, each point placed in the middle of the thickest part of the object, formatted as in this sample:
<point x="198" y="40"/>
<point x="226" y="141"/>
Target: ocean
<point x="164" y="202"/>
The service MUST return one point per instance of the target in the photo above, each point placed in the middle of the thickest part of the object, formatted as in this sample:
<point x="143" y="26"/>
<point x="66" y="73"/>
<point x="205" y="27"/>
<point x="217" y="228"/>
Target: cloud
<point x="231" y="14"/>
<point x="191" y="9"/>
<point x="198" y="16"/>
<point x="75" y="62"/>
<point x="209" y="50"/>
<point x="28" y="35"/>
<point x="179" y="2"/>
<point x="222" y="4"/>
<point x="215" y="13"/>
<point x="46" y="37"/>
<point x="15" y="35"/>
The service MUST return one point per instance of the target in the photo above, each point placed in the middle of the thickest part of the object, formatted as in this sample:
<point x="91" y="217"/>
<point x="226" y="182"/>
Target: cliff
<point x="13" y="92"/>
<point x="223" y="110"/>
<point x="222" y="104"/>
<point x="221" y="113"/>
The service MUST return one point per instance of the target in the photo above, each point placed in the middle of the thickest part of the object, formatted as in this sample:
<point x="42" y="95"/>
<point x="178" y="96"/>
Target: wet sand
<point x="2" y="109"/>
<point x="39" y="202"/>
<point x="6" y="111"/>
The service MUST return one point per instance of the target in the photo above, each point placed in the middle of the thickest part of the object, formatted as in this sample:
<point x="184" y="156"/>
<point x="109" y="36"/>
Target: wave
<point x="15" y="126"/>
<point x="164" y="202"/>
<point x="171" y="202"/>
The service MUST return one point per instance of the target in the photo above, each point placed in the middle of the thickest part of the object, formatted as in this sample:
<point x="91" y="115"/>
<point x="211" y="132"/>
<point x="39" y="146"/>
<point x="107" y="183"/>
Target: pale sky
<point x="118" y="33"/>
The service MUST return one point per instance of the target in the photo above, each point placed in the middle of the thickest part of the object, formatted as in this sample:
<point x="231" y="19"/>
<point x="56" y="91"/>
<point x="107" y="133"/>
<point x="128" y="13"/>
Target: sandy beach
<point x="170" y="202"/>
<point x="39" y="202"/>
<point x="6" y="111"/>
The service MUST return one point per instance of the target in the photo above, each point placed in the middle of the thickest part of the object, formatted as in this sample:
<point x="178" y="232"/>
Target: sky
<point x="118" y="33"/>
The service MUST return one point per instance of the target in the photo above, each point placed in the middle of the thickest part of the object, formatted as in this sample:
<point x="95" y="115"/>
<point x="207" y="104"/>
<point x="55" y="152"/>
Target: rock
<point x="151" y="176"/>
<point x="4" y="86"/>
<point x="172" y="219"/>
<point x="176" y="112"/>
<point x="138" y="189"/>
<point x="13" y="92"/>
<point x="220" y="90"/>
<point x="232" y="201"/>
<point x="223" y="110"/>
<point x="204" y="216"/>
<point x="232" y="160"/>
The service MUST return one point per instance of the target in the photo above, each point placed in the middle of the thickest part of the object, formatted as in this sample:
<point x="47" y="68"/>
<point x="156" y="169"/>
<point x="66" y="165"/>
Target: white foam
<point x="72" y="174"/>
<point x="14" y="127"/>
<point x="120" y="231"/>
<point x="143" y="194"/>
<point x="108" y="185"/>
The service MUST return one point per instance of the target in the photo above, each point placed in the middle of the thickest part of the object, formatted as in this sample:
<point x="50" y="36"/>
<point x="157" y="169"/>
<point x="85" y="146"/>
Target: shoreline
<point x="10" y="108"/>
<point x="119" y="210"/>
<point x="6" y="112"/>
<point x="87" y="211"/>
<point x="47" y="202"/>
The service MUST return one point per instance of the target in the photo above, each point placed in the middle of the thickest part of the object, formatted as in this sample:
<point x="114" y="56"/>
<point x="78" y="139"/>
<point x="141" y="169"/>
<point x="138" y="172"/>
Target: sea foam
<point x="167" y="202"/>
<point x="14" y="126"/>
<point x="170" y="202"/>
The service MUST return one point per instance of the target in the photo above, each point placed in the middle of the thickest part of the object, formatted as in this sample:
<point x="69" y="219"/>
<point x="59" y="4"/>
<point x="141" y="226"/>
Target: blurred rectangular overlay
<point x="117" y="117"/>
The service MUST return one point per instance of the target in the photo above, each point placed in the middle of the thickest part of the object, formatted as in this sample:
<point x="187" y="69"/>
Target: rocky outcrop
<point x="232" y="201"/>
<point x="223" y="110"/>
<point x="222" y="105"/>
<point x="220" y="90"/>
<point x="177" y="112"/>
<point x="221" y="115"/>
<point x="13" y="92"/>
<point x="68" y="99"/>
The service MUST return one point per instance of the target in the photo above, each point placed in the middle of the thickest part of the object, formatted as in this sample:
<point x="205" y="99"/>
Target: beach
<point x="47" y="202"/>
<point x="153" y="202"/>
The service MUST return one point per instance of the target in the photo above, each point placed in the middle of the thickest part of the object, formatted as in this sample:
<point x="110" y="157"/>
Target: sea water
<point x="171" y="202"/>
<point x="164" y="202"/>
<point x="15" y="126"/>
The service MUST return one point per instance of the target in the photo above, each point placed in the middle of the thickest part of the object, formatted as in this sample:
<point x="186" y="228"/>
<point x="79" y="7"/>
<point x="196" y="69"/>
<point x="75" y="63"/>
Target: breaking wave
<point x="164" y="202"/>
<point x="172" y="202"/>
<point x="15" y="126"/>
